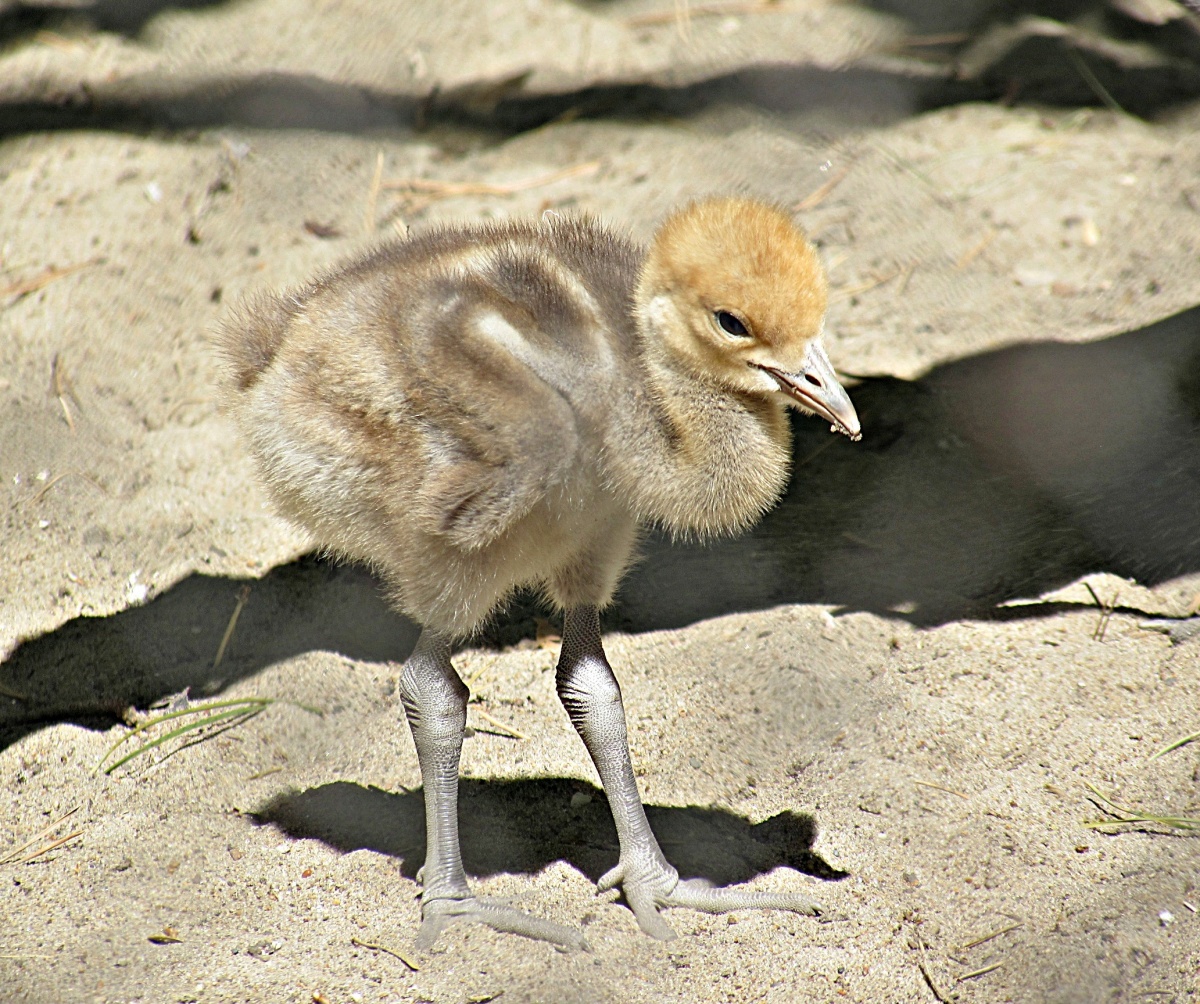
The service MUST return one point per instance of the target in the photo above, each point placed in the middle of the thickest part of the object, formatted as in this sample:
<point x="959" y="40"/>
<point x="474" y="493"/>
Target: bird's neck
<point x="707" y="461"/>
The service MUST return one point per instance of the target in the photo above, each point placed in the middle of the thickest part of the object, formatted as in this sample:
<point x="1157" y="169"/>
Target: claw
<point x="645" y="908"/>
<point x="611" y="879"/>
<point x="644" y="895"/>
<point x="430" y="929"/>
<point x="438" y="914"/>
<point x="660" y="888"/>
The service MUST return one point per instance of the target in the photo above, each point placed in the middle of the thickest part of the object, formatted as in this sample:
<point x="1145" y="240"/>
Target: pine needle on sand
<point x="225" y="714"/>
<point x="1123" y="815"/>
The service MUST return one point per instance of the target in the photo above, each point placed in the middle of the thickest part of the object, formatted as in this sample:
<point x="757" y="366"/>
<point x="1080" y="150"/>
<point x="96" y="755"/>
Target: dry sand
<point x="894" y="694"/>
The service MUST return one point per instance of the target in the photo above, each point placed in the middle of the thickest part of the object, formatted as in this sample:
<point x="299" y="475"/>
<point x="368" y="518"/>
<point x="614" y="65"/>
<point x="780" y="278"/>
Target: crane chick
<point x="481" y="408"/>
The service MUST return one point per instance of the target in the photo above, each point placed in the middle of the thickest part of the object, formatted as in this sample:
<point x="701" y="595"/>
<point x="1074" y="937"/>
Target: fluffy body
<point x="477" y="409"/>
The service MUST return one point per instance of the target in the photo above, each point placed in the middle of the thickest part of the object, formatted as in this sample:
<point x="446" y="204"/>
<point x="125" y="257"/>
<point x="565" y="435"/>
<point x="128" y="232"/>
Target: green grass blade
<point x="195" y="709"/>
<point x="231" y="708"/>
<point x="1132" y="816"/>
<point x="248" y="712"/>
<point x="1178" y="822"/>
<point x="1175" y="745"/>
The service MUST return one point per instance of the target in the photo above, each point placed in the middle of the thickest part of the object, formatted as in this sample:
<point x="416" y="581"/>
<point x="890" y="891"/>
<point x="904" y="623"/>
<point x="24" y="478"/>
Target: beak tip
<point x="823" y="396"/>
<point x="849" y="427"/>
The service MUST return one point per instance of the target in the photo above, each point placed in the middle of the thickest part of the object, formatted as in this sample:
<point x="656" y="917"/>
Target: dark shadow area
<point x="1054" y="52"/>
<point x="840" y="100"/>
<point x="128" y="17"/>
<point x="269" y="101"/>
<point x="94" y="667"/>
<point x="525" y="825"/>
<point x="827" y="102"/>
<point x="852" y="98"/>
<point x="993" y="478"/>
<point x="932" y="17"/>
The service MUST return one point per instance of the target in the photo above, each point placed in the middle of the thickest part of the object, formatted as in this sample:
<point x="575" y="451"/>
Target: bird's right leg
<point x="435" y="702"/>
<point x="590" y="693"/>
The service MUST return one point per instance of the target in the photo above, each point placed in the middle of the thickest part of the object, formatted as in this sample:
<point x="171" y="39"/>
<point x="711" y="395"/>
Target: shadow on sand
<point x="992" y="478"/>
<point x="525" y="825"/>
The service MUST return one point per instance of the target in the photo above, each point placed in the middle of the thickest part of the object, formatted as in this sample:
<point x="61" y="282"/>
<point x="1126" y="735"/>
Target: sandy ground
<point x="893" y="695"/>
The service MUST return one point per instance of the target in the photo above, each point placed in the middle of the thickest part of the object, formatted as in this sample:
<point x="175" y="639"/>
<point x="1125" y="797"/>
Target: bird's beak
<point x="815" y="388"/>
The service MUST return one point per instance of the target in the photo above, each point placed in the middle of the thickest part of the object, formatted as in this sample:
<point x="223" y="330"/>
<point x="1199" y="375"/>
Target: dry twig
<point x="938" y="787"/>
<point x="975" y="250"/>
<point x="16" y="852"/>
<point x="243" y="596"/>
<point x="1106" y="612"/>
<point x="499" y="724"/>
<point x="359" y="943"/>
<point x="820" y="194"/>
<point x="432" y="189"/>
<point x="980" y="972"/>
<point x="946" y="38"/>
<point x="989" y="936"/>
<point x="24" y="287"/>
<point x="923" y="965"/>
<point x="63" y="389"/>
<point x="66" y="474"/>
<point x="846" y="292"/>
<point x="50" y="846"/>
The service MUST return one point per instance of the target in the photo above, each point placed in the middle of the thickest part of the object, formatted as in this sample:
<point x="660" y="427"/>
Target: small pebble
<point x="1031" y="275"/>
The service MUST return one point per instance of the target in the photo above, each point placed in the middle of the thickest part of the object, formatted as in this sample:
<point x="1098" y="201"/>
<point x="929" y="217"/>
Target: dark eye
<point x="730" y="324"/>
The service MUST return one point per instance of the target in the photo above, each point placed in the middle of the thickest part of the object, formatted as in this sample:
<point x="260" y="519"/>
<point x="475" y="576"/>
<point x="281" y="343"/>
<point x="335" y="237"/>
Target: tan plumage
<point x="476" y="409"/>
<point x="480" y="408"/>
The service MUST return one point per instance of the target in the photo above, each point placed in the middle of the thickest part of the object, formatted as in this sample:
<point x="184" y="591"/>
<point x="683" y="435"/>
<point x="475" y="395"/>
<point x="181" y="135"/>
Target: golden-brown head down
<point x="483" y="407"/>
<point x="748" y="259"/>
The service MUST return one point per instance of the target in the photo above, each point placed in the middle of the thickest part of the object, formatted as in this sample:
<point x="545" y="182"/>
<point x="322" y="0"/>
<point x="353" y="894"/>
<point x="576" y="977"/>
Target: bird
<point x="482" y="407"/>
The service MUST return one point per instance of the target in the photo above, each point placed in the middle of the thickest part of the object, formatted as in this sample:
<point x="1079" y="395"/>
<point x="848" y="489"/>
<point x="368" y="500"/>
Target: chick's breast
<point x="437" y="408"/>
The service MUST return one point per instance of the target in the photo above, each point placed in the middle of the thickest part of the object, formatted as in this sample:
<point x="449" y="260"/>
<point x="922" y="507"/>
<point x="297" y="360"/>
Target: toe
<point x="642" y="902"/>
<point x="611" y="879"/>
<point x="504" y="918"/>
<point x="441" y="913"/>
<point x="431" y="927"/>
<point x="714" y="899"/>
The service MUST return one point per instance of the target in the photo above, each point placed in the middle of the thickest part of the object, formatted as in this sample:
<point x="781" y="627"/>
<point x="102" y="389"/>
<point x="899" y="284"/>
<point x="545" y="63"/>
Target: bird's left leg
<point x="590" y="693"/>
<point x="435" y="702"/>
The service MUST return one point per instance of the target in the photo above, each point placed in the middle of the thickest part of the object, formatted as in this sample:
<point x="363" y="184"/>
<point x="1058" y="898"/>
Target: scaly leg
<point x="435" y="701"/>
<point x="590" y="693"/>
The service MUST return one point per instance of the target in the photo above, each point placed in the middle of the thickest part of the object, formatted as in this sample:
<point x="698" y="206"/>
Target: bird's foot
<point x="438" y="914"/>
<point x="650" y="889"/>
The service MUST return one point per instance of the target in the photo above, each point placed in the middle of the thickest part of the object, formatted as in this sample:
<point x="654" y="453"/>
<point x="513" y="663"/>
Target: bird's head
<point x="734" y="293"/>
